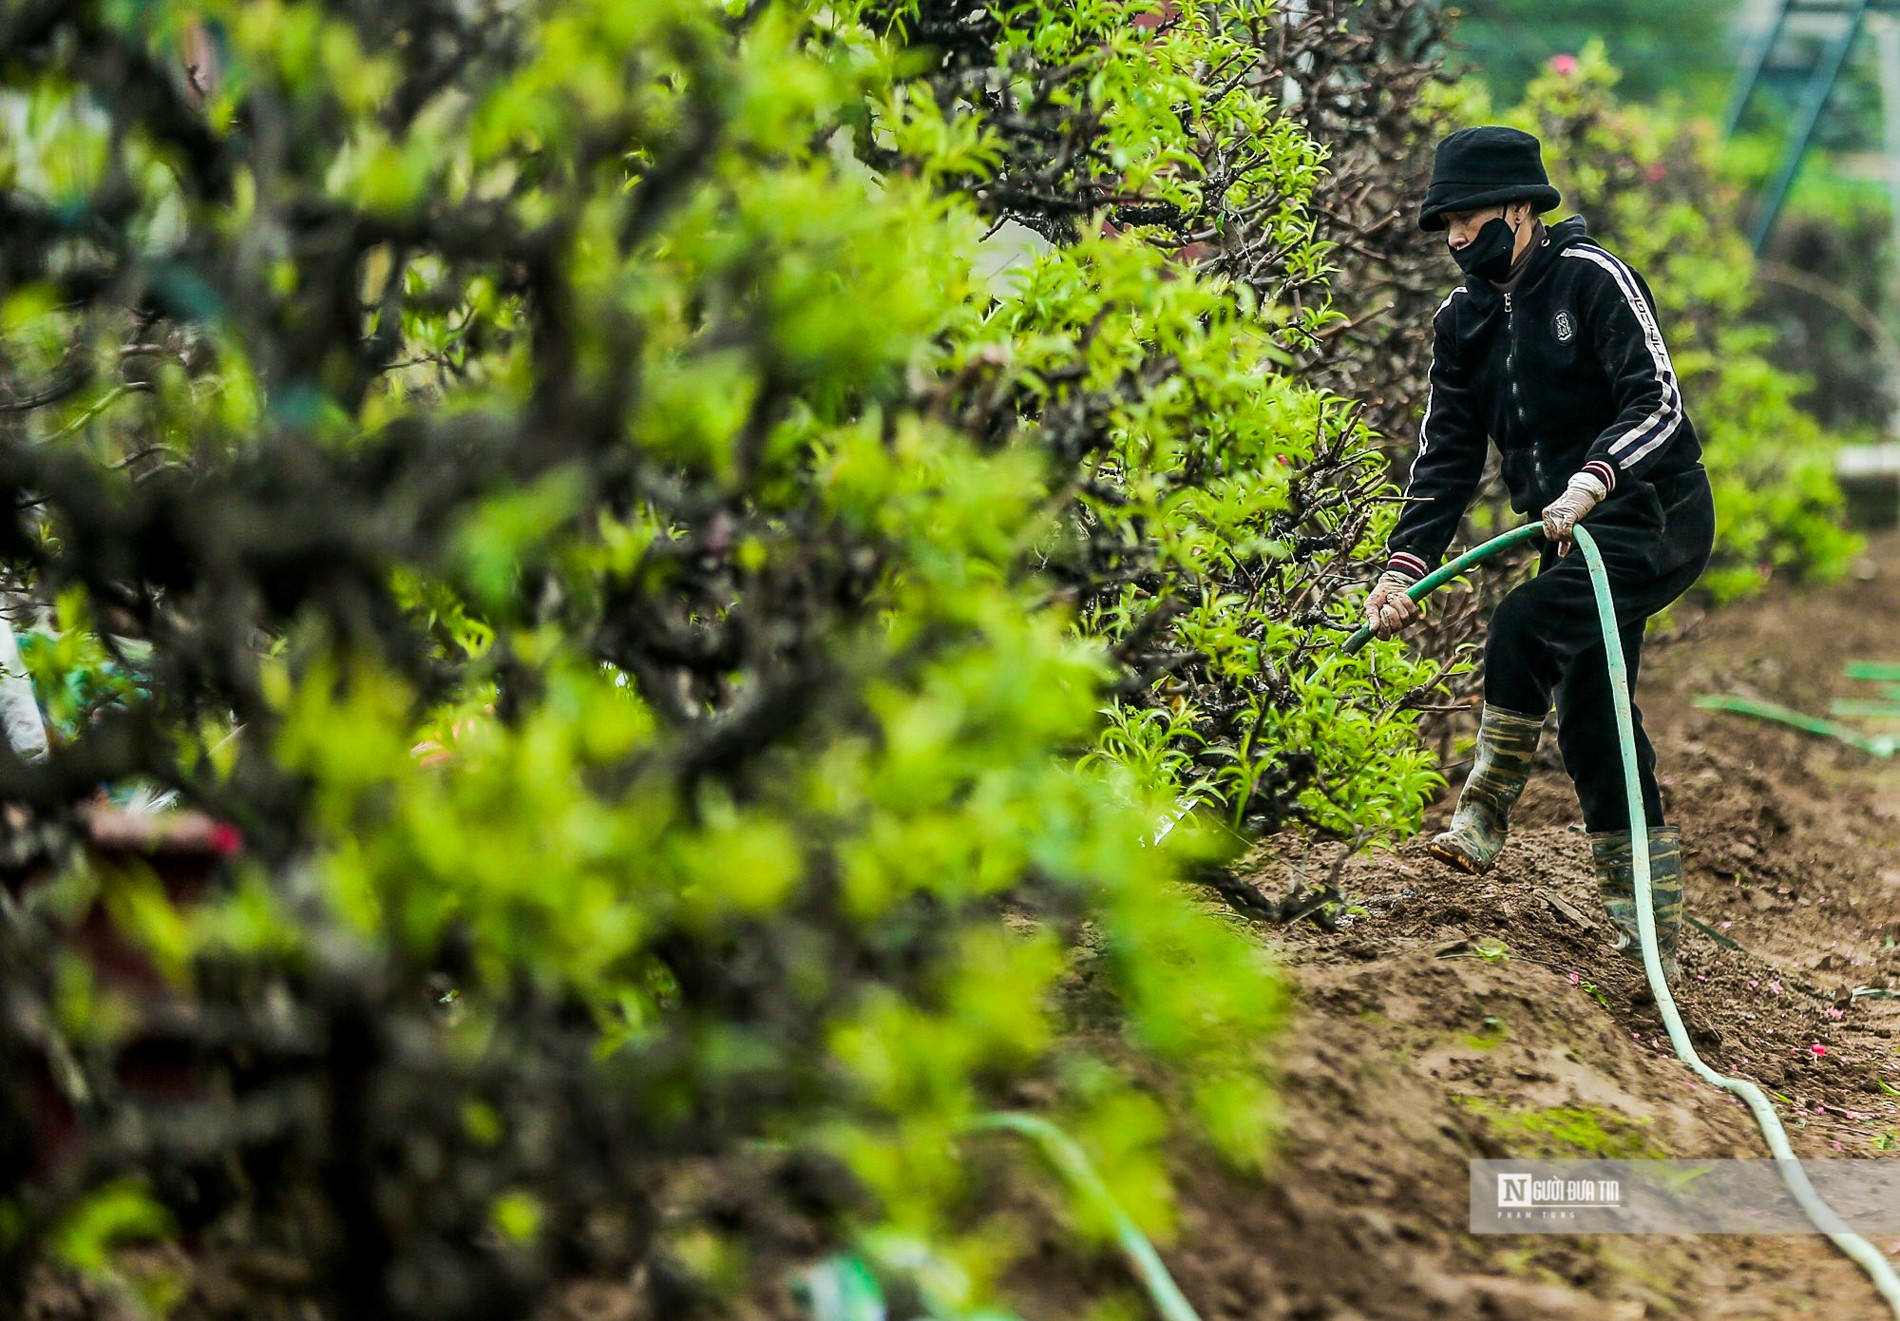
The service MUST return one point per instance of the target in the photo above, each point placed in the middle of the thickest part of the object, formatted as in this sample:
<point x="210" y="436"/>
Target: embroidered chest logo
<point x="1565" y="329"/>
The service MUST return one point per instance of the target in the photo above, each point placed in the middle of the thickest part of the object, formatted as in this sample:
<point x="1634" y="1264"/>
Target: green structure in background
<point x="1803" y="50"/>
<point x="1795" y="53"/>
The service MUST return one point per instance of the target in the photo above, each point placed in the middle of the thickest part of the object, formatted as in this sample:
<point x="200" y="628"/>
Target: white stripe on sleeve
<point x="1659" y="426"/>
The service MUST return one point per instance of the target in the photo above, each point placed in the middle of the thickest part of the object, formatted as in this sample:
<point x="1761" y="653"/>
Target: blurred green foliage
<point x="1668" y="50"/>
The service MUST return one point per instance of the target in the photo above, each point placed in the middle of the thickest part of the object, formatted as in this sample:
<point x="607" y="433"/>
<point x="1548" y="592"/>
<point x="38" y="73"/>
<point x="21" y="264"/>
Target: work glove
<point x="1389" y="611"/>
<point x="1562" y="515"/>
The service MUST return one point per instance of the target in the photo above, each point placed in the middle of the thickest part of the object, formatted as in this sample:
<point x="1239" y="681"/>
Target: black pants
<point x="1545" y="640"/>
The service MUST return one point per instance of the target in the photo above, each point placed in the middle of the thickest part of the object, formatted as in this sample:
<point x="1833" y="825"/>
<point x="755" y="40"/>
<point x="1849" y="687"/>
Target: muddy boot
<point x="1507" y="742"/>
<point x="1616" y="886"/>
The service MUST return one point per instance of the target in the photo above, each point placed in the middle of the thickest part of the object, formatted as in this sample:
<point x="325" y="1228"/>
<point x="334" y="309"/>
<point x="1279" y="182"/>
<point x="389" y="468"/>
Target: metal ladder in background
<point x="1803" y="47"/>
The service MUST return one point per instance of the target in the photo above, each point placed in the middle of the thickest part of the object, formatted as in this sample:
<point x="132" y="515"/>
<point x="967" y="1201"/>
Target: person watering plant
<point x="1550" y="348"/>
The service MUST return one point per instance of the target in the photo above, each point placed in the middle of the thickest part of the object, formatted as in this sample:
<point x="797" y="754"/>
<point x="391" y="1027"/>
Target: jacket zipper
<point x="1517" y="401"/>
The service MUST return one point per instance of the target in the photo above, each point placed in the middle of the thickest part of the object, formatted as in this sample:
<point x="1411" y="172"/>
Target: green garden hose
<point x="844" y="1286"/>
<point x="1065" y="1154"/>
<point x="1874" y="745"/>
<point x="1863" y="1253"/>
<point x="1431" y="582"/>
<point x="1865" y="708"/>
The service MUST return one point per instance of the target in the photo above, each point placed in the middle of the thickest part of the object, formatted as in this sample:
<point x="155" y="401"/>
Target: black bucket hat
<point x="1486" y="166"/>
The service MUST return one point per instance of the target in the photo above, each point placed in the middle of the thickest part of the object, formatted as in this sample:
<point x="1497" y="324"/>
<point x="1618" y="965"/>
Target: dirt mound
<point x="1450" y="1019"/>
<point x="1415" y="1062"/>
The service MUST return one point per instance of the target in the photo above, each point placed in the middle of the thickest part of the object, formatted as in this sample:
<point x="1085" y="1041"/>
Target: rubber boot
<point x="1616" y="885"/>
<point x="1507" y="742"/>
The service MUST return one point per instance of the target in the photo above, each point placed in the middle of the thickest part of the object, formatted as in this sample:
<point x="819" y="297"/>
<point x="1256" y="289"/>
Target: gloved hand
<point x="1562" y="515"/>
<point x="1389" y="611"/>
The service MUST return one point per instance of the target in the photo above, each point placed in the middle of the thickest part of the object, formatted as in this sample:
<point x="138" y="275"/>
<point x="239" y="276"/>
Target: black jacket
<point x="1566" y="373"/>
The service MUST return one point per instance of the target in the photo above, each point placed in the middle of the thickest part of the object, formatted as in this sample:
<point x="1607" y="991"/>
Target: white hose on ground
<point x="1865" y="1254"/>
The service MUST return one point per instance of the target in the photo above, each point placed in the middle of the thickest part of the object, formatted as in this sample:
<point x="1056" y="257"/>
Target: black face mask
<point x="1489" y="255"/>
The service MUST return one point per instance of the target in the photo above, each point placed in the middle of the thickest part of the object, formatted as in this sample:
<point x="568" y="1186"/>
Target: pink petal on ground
<point x="1832" y="1012"/>
<point x="1818" y="1048"/>
<point x="1574" y="979"/>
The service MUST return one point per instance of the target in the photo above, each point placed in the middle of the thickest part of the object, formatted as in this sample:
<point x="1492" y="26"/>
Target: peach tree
<point x="575" y="486"/>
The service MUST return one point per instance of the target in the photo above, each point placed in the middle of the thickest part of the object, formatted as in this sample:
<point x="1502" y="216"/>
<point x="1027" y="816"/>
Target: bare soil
<point x="1456" y="1018"/>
